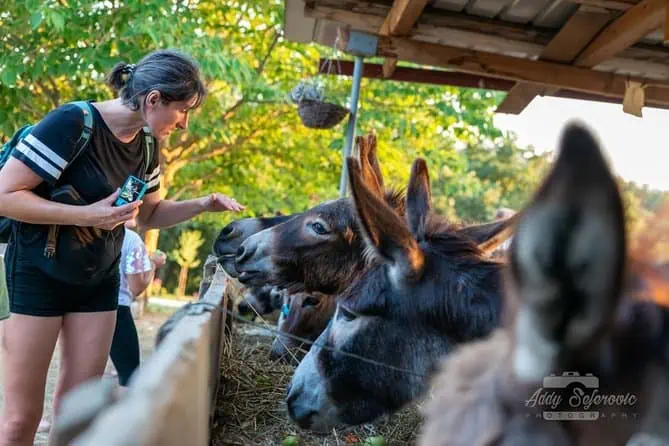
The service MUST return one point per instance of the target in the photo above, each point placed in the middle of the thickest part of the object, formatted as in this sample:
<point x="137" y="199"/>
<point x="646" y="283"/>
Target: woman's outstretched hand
<point x="216" y="202"/>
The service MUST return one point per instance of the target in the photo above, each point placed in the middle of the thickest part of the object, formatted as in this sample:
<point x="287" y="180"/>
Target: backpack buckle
<point x="50" y="248"/>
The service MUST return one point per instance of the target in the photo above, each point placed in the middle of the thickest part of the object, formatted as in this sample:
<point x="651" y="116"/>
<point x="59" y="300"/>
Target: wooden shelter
<point x="606" y="50"/>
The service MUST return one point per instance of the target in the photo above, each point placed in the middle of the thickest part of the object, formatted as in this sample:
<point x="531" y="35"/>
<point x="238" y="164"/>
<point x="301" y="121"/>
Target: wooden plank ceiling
<point x="547" y="47"/>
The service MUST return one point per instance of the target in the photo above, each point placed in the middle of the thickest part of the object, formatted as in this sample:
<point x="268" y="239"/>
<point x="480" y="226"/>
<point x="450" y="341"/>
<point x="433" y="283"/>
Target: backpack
<point x="7" y="224"/>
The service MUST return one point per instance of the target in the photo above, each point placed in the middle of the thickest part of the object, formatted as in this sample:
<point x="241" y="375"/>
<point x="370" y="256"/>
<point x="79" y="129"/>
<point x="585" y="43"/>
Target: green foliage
<point x="247" y="140"/>
<point x="43" y="62"/>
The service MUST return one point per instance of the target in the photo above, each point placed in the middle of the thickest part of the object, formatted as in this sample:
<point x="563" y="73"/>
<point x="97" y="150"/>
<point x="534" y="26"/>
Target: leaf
<point x="57" y="20"/>
<point x="36" y="20"/>
<point x="8" y="76"/>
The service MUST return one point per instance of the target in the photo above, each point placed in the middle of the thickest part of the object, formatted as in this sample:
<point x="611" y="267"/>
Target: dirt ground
<point x="147" y="327"/>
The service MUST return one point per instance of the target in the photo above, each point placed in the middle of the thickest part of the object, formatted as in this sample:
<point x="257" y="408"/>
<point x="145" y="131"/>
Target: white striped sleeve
<point x="37" y="161"/>
<point x="47" y="149"/>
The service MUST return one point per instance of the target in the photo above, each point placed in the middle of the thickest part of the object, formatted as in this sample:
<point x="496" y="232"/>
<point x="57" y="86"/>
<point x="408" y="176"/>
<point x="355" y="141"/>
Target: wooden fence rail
<point x="171" y="398"/>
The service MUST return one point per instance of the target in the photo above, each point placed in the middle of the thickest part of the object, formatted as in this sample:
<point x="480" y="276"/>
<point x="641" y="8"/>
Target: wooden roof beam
<point x="513" y="68"/>
<point x="666" y="23"/>
<point x="572" y="38"/>
<point x="456" y="79"/>
<point x="639" y="21"/>
<point x="399" y="22"/>
<point x="444" y="26"/>
<point x="614" y="5"/>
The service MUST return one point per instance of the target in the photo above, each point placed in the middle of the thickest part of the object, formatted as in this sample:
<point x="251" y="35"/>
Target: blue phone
<point x="133" y="189"/>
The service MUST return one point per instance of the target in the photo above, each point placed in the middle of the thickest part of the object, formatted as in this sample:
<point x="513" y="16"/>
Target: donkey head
<point x="320" y="249"/>
<point x="232" y="235"/>
<point x="305" y="315"/>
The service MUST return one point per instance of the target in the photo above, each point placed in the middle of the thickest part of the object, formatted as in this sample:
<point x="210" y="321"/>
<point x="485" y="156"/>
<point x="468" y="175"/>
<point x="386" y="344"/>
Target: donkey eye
<point x="319" y="228"/>
<point x="309" y="302"/>
<point x="346" y="314"/>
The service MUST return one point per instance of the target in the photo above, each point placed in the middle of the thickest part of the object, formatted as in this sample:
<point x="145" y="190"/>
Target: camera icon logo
<point x="560" y="382"/>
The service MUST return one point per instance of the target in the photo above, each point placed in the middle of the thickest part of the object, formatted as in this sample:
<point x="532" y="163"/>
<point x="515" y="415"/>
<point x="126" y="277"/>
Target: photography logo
<point x="575" y="397"/>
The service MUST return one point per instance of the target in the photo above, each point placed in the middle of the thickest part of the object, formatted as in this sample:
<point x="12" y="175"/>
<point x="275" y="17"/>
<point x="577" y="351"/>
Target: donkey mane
<point x="444" y="240"/>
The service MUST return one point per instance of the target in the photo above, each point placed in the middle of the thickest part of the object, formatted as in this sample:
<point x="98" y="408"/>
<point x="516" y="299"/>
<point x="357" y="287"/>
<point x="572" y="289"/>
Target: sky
<point x="636" y="147"/>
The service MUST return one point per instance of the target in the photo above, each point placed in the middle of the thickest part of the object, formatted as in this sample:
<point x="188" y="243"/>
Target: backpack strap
<point x="148" y="138"/>
<point x="80" y="146"/>
<point x="86" y="132"/>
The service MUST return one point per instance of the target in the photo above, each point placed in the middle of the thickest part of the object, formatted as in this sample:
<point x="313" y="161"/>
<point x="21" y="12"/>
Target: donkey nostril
<point x="243" y="308"/>
<point x="244" y="254"/>
<point x="227" y="231"/>
<point x="241" y="254"/>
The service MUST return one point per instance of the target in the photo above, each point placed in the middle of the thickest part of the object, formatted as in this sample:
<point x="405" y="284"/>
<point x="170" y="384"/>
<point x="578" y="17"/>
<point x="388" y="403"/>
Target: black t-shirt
<point x="102" y="168"/>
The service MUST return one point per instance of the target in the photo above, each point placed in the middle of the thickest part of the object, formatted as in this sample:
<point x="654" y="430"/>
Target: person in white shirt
<point x="137" y="270"/>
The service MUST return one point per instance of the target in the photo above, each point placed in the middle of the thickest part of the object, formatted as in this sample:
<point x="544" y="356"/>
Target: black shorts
<point x="34" y="293"/>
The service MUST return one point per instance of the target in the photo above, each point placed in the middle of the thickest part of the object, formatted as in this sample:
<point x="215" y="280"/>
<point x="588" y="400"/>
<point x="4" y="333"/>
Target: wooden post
<point x="171" y="397"/>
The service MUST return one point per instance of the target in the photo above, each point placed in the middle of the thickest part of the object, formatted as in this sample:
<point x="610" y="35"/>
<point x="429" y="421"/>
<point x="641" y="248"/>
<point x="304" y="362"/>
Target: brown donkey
<point x="322" y="249"/>
<point x="304" y="315"/>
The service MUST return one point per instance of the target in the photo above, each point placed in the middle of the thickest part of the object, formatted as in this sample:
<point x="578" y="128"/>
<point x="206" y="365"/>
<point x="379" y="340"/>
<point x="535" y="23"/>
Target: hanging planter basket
<point x="315" y="112"/>
<point x="320" y="114"/>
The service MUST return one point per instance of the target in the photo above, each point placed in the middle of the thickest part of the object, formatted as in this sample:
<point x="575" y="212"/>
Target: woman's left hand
<point x="218" y="202"/>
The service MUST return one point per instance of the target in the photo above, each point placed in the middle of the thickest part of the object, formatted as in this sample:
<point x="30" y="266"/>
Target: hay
<point x="251" y="408"/>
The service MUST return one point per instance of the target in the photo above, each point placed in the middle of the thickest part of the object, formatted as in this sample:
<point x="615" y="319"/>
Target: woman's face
<point x="164" y="117"/>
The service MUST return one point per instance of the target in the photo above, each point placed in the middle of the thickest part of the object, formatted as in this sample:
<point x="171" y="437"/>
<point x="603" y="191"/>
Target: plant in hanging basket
<point x="320" y="114"/>
<point x="314" y="111"/>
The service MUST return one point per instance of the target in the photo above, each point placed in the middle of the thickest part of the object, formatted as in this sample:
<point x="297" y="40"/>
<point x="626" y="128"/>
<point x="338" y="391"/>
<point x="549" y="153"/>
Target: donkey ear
<point x="490" y="236"/>
<point x="372" y="157"/>
<point x="368" y="173"/>
<point x="419" y="196"/>
<point x="385" y="233"/>
<point x="568" y="257"/>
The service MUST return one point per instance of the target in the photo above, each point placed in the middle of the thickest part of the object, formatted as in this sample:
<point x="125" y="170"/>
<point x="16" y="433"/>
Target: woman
<point x="74" y="294"/>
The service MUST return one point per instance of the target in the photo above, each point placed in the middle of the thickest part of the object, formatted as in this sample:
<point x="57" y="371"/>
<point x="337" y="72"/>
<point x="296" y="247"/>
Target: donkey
<point x="260" y="301"/>
<point x="323" y="250"/>
<point x="567" y="310"/>
<point x="319" y="250"/>
<point x="233" y="234"/>
<point x="305" y="315"/>
<point x="429" y="289"/>
<point x="261" y="297"/>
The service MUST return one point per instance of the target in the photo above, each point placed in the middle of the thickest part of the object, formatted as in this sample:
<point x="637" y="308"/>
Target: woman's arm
<point x="18" y="202"/>
<point x="157" y="213"/>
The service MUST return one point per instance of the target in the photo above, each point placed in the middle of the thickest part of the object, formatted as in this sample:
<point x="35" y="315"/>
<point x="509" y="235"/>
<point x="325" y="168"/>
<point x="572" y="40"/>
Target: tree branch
<point x="56" y="91"/>
<point x="263" y="62"/>
<point x="217" y="150"/>
<point x="27" y="108"/>
<point x="187" y="151"/>
<point x="48" y="92"/>
<point x="192" y="186"/>
<point x="223" y="148"/>
<point x="230" y="112"/>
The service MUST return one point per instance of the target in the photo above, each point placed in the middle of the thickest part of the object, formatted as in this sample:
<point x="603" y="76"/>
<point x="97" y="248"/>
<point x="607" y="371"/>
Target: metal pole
<point x="350" y="128"/>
